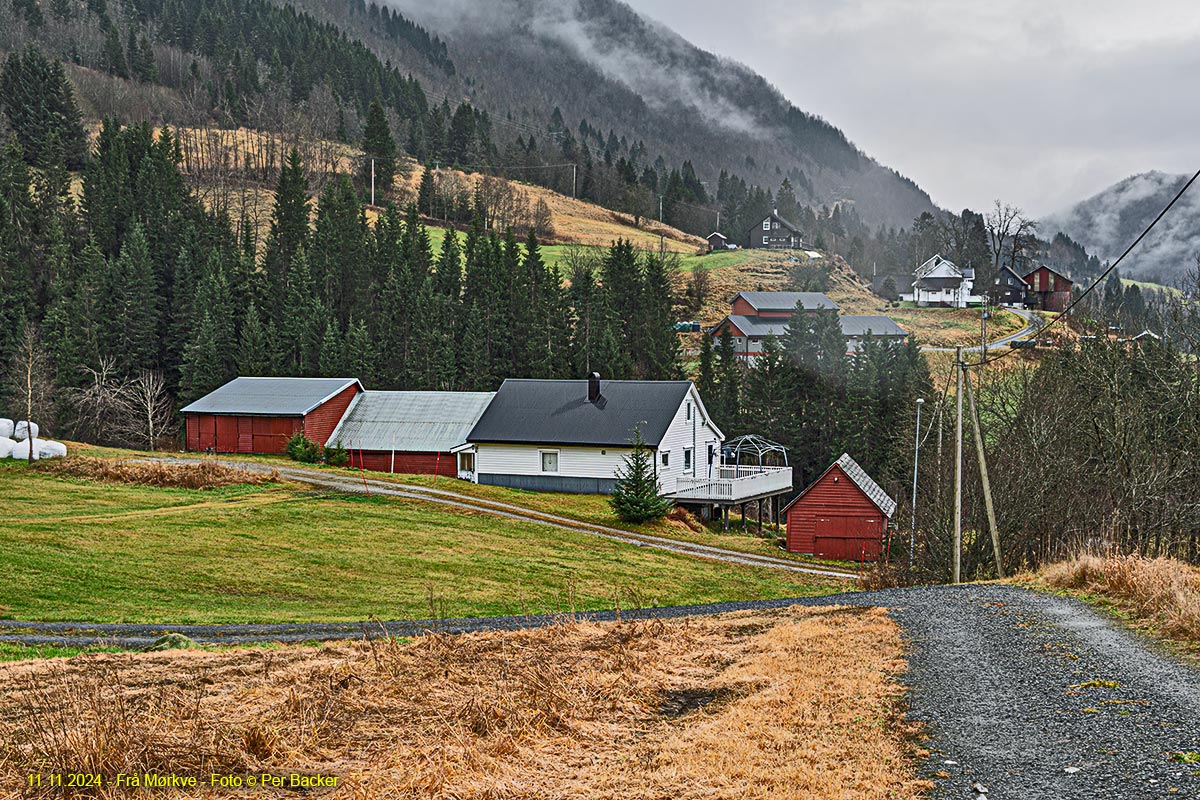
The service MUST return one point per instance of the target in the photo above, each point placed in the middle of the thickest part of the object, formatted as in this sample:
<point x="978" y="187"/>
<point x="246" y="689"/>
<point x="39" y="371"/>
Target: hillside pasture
<point x="74" y="549"/>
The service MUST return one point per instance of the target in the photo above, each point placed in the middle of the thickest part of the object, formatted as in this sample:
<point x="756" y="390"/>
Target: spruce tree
<point x="330" y="363"/>
<point x="202" y="371"/>
<point x="378" y="145"/>
<point x="131" y="313"/>
<point x="706" y="374"/>
<point x="425" y="192"/>
<point x="303" y="318"/>
<point x="729" y="384"/>
<point x="287" y="236"/>
<point x="658" y="343"/>
<point x="448" y="279"/>
<point x="636" y="494"/>
<point x="358" y="354"/>
<point x="254" y="350"/>
<point x="39" y="102"/>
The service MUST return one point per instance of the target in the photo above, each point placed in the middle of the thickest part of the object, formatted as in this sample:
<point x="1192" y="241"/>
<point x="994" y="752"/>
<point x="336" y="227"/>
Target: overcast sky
<point x="1039" y="102"/>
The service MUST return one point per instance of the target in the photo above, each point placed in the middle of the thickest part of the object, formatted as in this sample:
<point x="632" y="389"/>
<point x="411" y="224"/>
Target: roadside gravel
<point x="1027" y="695"/>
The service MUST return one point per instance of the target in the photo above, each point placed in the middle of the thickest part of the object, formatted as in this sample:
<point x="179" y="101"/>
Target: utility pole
<point x="987" y="484"/>
<point x="574" y="167"/>
<point x="958" y="446"/>
<point x="912" y="536"/>
<point x="983" y="318"/>
<point x="660" y="201"/>
<point x="372" y="181"/>
<point x="718" y="220"/>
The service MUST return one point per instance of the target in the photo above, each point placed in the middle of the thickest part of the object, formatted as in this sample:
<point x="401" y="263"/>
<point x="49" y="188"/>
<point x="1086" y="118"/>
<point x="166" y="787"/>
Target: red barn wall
<point x="239" y="434"/>
<point x="320" y="422"/>
<point x="407" y="463"/>
<point x="834" y="519"/>
<point x="743" y="308"/>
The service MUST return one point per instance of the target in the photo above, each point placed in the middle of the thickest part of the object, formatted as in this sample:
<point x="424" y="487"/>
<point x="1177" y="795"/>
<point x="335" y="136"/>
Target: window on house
<point x="766" y="240"/>
<point x="549" y="461"/>
<point x="689" y="410"/>
<point x="666" y="458"/>
<point x="775" y="225"/>
<point x="767" y="224"/>
<point x="687" y="458"/>
<point x="466" y="462"/>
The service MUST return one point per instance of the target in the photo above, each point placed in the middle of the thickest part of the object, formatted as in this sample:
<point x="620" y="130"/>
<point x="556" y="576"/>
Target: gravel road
<point x="1027" y="695"/>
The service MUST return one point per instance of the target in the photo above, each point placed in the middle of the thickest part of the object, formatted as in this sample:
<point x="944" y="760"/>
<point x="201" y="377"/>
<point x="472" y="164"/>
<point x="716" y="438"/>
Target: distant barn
<point x="412" y="432"/>
<point x="1052" y="288"/>
<point x="259" y="415"/>
<point x="842" y="515"/>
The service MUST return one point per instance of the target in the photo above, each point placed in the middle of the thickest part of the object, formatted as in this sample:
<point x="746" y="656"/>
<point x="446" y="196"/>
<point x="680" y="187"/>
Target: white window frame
<point x="557" y="461"/>
<point x="766" y="240"/>
<point x="664" y="457"/>
<point x="689" y="410"/>
<point x="688" y="460"/>
<point x="767" y="224"/>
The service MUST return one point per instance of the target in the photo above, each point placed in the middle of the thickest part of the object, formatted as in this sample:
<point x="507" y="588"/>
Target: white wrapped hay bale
<point x="21" y="449"/>
<point x="7" y="426"/>
<point x="49" y="449"/>
<point x="6" y="446"/>
<point x="25" y="430"/>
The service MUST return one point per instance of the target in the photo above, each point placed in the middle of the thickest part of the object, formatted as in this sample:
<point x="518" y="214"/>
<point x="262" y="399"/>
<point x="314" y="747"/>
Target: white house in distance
<point x="941" y="282"/>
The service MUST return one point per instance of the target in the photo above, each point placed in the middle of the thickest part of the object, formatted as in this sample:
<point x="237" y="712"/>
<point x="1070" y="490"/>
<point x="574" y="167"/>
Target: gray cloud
<point x="647" y="73"/>
<point x="1041" y="104"/>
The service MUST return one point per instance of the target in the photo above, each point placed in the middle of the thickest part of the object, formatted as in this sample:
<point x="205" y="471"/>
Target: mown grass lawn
<point x="75" y="550"/>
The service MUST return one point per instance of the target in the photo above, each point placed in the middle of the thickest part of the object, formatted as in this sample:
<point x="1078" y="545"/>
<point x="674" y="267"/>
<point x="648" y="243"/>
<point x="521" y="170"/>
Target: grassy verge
<point x="791" y="704"/>
<point x="73" y="549"/>
<point x="1160" y="596"/>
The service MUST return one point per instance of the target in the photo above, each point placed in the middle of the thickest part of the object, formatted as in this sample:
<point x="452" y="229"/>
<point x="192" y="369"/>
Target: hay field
<point x="796" y="703"/>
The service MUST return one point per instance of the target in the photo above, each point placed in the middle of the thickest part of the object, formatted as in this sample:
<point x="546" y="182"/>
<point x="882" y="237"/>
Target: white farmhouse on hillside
<point x="941" y="282"/>
<point x="573" y="435"/>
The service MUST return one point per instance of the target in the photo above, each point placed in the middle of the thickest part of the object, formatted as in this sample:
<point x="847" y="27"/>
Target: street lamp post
<point x="912" y="536"/>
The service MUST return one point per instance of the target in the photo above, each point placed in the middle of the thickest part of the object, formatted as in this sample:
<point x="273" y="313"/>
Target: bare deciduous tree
<point x="147" y="413"/>
<point x="31" y="385"/>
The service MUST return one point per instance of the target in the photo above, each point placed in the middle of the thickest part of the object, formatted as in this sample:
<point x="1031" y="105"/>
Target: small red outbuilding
<point x="842" y="515"/>
<point x="259" y="415"/>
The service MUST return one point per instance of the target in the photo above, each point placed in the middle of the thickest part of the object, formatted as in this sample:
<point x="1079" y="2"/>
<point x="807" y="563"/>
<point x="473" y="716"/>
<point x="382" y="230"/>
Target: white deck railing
<point x="732" y="484"/>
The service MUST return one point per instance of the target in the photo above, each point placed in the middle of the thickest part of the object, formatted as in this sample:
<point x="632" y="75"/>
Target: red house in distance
<point x="842" y="515"/>
<point x="1053" y="289"/>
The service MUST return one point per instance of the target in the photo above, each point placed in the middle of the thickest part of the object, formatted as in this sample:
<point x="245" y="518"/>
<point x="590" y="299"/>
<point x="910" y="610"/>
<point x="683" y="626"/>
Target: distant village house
<point x="775" y="233"/>
<point x="941" y="282"/>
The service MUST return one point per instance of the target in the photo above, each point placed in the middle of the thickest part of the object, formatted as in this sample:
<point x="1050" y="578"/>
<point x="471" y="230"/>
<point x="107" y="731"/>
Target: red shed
<point x="1053" y="289"/>
<point x="259" y="415"/>
<point x="842" y="515"/>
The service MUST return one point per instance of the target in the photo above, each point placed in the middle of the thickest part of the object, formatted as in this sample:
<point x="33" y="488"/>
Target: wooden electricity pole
<point x="958" y="457"/>
<point x="983" y="474"/>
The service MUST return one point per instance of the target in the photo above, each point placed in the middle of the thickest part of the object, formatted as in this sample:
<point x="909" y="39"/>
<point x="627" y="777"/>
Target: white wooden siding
<point x="697" y="433"/>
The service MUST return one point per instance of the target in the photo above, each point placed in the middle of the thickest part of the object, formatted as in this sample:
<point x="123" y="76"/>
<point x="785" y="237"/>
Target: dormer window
<point x="767" y="224"/>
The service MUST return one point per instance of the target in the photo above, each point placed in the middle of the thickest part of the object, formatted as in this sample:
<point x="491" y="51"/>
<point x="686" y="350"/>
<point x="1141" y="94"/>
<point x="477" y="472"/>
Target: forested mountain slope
<point x="1109" y="220"/>
<point x="599" y="61"/>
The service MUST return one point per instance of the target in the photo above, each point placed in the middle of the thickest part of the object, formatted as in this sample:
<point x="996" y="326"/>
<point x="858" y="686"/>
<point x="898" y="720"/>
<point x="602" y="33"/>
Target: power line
<point x="1103" y="274"/>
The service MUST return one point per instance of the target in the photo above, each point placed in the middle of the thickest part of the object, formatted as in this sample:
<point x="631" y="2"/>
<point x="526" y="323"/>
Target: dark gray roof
<point x="878" y="326"/>
<point x="793" y="227"/>
<point x="282" y="397"/>
<point x="757" y="326"/>
<point x="527" y="411"/>
<point x="786" y="301"/>
<point x="416" y="422"/>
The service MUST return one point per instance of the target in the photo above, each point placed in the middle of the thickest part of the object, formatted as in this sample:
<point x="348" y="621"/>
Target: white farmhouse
<point x="941" y="282"/>
<point x="573" y="435"/>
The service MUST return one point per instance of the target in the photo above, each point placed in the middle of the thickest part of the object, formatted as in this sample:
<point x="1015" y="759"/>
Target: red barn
<point x="259" y="415"/>
<point x="412" y="432"/>
<point x="1053" y="289"/>
<point x="842" y="515"/>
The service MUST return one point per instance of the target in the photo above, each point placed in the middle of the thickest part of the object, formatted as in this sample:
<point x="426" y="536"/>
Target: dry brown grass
<point x="1161" y="592"/>
<point x="201" y="475"/>
<point x="796" y="703"/>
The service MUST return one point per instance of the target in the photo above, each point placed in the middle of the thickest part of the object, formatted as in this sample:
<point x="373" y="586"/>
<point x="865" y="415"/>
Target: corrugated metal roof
<point x="419" y="422"/>
<point x="870" y="488"/>
<point x="878" y="326"/>
<point x="786" y="301"/>
<point x="527" y="411"/>
<point x="283" y="397"/>
<point x="757" y="326"/>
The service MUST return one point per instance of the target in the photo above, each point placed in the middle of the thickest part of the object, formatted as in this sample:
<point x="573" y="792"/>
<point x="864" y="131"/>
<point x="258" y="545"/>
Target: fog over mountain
<point x="601" y="61"/>
<point x="1107" y="222"/>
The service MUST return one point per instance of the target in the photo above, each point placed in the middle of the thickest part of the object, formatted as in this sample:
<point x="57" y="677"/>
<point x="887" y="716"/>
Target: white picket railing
<point x="731" y="484"/>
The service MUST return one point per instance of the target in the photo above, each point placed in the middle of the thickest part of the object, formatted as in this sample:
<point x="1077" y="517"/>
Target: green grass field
<point x="74" y="550"/>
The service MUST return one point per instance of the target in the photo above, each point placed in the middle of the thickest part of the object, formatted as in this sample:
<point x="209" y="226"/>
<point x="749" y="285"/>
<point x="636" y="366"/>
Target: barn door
<point x="847" y="539"/>
<point x="245" y="434"/>
<point x="227" y="434"/>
